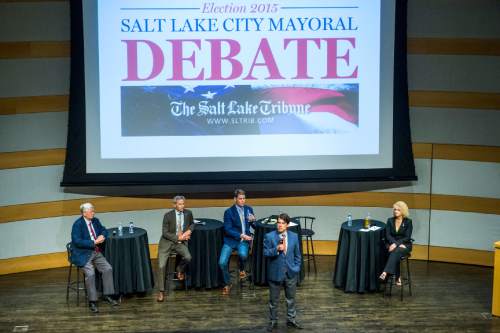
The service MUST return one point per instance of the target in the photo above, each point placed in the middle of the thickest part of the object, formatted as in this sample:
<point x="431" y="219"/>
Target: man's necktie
<point x="97" y="249"/>
<point x="285" y="242"/>
<point x="179" y="224"/>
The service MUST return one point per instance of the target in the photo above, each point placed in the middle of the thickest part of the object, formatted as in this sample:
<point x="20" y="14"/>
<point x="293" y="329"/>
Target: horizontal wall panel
<point x="466" y="204"/>
<point x="455" y="126"/>
<point x="21" y="180"/>
<point x="32" y="158"/>
<point x="417" y="99"/>
<point x="34" y="77"/>
<point x="35" y="131"/>
<point x="20" y="183"/>
<point x="422" y="150"/>
<point x="461" y="256"/>
<point x="434" y="46"/>
<point x="14" y="50"/>
<point x="119" y="204"/>
<point x="466" y="153"/>
<point x="33" y="104"/>
<point x="453" y="73"/>
<point x="422" y="185"/>
<point x="454" y="99"/>
<point x="464" y="230"/>
<point x="466" y="178"/>
<point x="358" y="199"/>
<point x="453" y="18"/>
<point x="456" y="46"/>
<point x="23" y="159"/>
<point x="34" y="20"/>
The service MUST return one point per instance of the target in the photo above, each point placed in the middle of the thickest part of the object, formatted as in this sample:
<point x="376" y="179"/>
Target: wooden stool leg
<point x="408" y="275"/>
<point x="391" y="279"/>
<point x="78" y="286"/>
<point x="313" y="256"/>
<point x="308" y="256"/>
<point x="69" y="282"/>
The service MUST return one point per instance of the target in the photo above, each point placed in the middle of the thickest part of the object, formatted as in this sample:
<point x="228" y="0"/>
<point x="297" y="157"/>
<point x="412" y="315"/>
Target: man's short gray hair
<point x="177" y="198"/>
<point x="86" y="206"/>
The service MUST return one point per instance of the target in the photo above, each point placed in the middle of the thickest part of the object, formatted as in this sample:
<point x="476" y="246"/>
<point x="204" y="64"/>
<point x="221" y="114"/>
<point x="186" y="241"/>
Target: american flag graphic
<point x="147" y="110"/>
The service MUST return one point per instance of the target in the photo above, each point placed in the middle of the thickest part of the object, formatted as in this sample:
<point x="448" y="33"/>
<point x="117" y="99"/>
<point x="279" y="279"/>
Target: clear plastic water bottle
<point x="349" y="220"/>
<point x="120" y="229"/>
<point x="131" y="227"/>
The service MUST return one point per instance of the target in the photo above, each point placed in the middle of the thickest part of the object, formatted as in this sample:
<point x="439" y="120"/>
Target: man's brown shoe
<point x="181" y="276"/>
<point x="226" y="290"/>
<point x="161" y="296"/>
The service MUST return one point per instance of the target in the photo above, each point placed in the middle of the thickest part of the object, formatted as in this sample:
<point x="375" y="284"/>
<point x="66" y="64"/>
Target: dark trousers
<point x="290" y="285"/>
<point x="164" y="250"/>
<point x="392" y="264"/>
<point x="97" y="261"/>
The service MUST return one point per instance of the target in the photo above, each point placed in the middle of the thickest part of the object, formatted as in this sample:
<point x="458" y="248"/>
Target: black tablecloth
<point x="129" y="257"/>
<point x="360" y="257"/>
<point x="205" y="247"/>
<point x="259" y="263"/>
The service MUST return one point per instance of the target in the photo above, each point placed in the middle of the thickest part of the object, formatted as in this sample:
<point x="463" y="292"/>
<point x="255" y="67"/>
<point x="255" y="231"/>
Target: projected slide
<point x="172" y="82"/>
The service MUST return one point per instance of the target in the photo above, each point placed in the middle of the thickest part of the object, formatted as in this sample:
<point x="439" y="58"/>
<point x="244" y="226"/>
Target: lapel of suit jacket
<point x="172" y="221"/>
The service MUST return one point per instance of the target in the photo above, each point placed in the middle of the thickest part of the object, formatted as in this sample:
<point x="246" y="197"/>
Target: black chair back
<point x="305" y="222"/>
<point x="69" y="248"/>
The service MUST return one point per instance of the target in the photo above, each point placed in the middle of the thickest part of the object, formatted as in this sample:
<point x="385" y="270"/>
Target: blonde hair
<point x="403" y="207"/>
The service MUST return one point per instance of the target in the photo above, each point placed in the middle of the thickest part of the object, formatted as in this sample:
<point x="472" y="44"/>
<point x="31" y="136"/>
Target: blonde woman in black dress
<point x="398" y="239"/>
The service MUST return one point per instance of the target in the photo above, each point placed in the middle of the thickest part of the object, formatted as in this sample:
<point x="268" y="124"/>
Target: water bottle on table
<point x="349" y="220"/>
<point x="131" y="227"/>
<point x="120" y="229"/>
<point x="367" y="221"/>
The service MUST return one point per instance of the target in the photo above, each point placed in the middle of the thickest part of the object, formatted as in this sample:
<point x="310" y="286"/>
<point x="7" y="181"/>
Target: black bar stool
<point x="171" y="274"/>
<point x="74" y="285"/>
<point x="405" y="279"/>
<point x="248" y="268"/>
<point x="307" y="232"/>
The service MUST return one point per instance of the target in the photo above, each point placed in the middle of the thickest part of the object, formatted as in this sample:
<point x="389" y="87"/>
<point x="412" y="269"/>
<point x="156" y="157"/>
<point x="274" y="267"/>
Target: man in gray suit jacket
<point x="178" y="224"/>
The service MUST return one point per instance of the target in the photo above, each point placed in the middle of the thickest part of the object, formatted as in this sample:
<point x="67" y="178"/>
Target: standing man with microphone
<point x="282" y="249"/>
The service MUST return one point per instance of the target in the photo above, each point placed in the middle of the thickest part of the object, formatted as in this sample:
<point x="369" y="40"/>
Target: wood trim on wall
<point x="454" y="99"/>
<point x="33" y="104"/>
<point x="459" y="203"/>
<point x="417" y="98"/>
<point x="119" y="204"/>
<point x="32" y="158"/>
<point x="60" y="208"/>
<point x="422" y="150"/>
<point x="445" y="254"/>
<point x="466" y="153"/>
<point x="420" y="45"/>
<point x="454" y="46"/>
<point x="461" y="256"/>
<point x="22" y="50"/>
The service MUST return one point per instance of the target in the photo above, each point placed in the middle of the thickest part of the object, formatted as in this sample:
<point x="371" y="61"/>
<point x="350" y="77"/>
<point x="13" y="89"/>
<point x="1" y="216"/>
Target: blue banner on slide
<point x="238" y="110"/>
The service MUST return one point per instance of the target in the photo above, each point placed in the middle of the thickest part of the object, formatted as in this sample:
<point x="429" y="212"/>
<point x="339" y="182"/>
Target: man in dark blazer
<point x="178" y="224"/>
<point x="237" y="220"/>
<point x="282" y="249"/>
<point x="87" y="239"/>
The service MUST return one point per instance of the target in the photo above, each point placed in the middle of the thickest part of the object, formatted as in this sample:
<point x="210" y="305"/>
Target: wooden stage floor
<point x="447" y="298"/>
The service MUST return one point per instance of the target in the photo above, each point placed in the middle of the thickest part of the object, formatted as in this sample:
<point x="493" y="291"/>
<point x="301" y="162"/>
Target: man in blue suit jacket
<point x="87" y="237"/>
<point x="237" y="220"/>
<point x="282" y="249"/>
